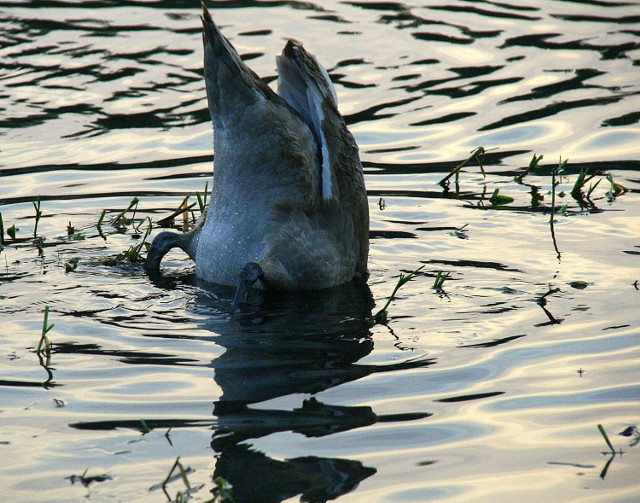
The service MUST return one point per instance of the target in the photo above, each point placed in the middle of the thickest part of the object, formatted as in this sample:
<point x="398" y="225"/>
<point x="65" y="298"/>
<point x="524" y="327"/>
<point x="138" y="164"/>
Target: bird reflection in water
<point x="291" y="345"/>
<point x="280" y="345"/>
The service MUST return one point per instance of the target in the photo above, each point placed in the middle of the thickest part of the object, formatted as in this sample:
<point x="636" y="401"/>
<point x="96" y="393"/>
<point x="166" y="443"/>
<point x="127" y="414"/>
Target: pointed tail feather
<point x="230" y="83"/>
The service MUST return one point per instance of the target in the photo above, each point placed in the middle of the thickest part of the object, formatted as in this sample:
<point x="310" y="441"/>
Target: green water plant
<point x="183" y="208"/>
<point x="45" y="343"/>
<point x="202" y="199"/>
<point x="615" y="189"/>
<point x="581" y="181"/>
<point x="11" y="231"/>
<point x="580" y="193"/>
<point x="85" y="480"/>
<point x="381" y="316"/>
<point x="556" y="173"/>
<point x="533" y="166"/>
<point x="180" y="496"/>
<point x="606" y="438"/>
<point x="612" y="452"/>
<point x="133" y="253"/>
<point x="477" y="154"/>
<point x="36" y="206"/>
<point x="222" y="492"/>
<point x="101" y="219"/>
<point x="144" y="427"/>
<point x="121" y="220"/>
<point x="71" y="265"/>
<point x="99" y="224"/>
<point x="441" y="277"/>
<point x="498" y="199"/>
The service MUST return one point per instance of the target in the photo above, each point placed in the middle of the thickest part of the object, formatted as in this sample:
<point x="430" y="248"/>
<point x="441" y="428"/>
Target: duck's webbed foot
<point x="249" y="274"/>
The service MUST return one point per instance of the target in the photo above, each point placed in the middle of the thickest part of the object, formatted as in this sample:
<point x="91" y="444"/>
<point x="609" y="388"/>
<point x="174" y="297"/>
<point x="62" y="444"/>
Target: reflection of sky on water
<point x="470" y="393"/>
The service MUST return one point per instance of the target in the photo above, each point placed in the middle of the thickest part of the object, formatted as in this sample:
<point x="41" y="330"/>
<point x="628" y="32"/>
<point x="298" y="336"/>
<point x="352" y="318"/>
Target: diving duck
<point x="288" y="208"/>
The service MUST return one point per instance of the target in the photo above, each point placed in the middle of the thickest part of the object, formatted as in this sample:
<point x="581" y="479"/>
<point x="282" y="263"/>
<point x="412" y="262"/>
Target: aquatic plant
<point x="202" y="200"/>
<point x="11" y="231"/>
<point x="71" y="265"/>
<point x="533" y="165"/>
<point x="36" y="206"/>
<point x="555" y="174"/>
<point x="498" y="200"/>
<point x="86" y="481"/>
<point x="184" y="208"/>
<point x="180" y="496"/>
<point x="381" y="316"/>
<point x="144" y="427"/>
<point x="615" y="189"/>
<point x="44" y="339"/>
<point x="581" y="181"/>
<point x="606" y="438"/>
<point x="168" y="220"/>
<point x="121" y="220"/>
<point x="441" y="277"/>
<point x="223" y="491"/>
<point x="132" y="254"/>
<point x="99" y="224"/>
<point x="477" y="154"/>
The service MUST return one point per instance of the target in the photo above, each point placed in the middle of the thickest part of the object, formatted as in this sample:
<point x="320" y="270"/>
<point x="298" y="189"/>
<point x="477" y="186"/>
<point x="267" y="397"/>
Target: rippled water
<point x="489" y="389"/>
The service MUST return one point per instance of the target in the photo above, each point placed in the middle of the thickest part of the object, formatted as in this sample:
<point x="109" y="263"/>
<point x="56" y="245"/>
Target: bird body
<point x="288" y="202"/>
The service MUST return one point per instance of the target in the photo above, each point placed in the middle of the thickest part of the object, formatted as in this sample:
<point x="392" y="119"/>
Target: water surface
<point x="489" y="389"/>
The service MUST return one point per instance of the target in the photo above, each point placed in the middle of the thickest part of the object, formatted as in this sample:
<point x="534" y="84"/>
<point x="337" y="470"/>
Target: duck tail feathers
<point x="227" y="78"/>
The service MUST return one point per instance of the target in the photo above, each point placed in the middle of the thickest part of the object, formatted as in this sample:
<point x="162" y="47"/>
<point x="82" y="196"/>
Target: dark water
<point x="489" y="389"/>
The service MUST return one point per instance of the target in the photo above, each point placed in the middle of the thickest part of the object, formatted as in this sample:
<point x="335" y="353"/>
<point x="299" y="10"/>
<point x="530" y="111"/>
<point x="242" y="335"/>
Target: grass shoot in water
<point x="441" y="277"/>
<point x="606" y="438"/>
<point x="183" y="474"/>
<point x="120" y="219"/>
<point x="132" y="254"/>
<point x="45" y="343"/>
<point x="381" y="316"/>
<point x="555" y="174"/>
<point x="477" y="154"/>
<point x="202" y="200"/>
<point x="36" y="206"/>
<point x="533" y="166"/>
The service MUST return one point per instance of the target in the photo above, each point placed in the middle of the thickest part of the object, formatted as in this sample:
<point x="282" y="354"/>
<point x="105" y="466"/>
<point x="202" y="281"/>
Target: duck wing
<point x="260" y="141"/>
<point x="305" y="85"/>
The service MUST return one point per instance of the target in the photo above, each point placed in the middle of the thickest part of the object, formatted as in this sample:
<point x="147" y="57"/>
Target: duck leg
<point x="249" y="274"/>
